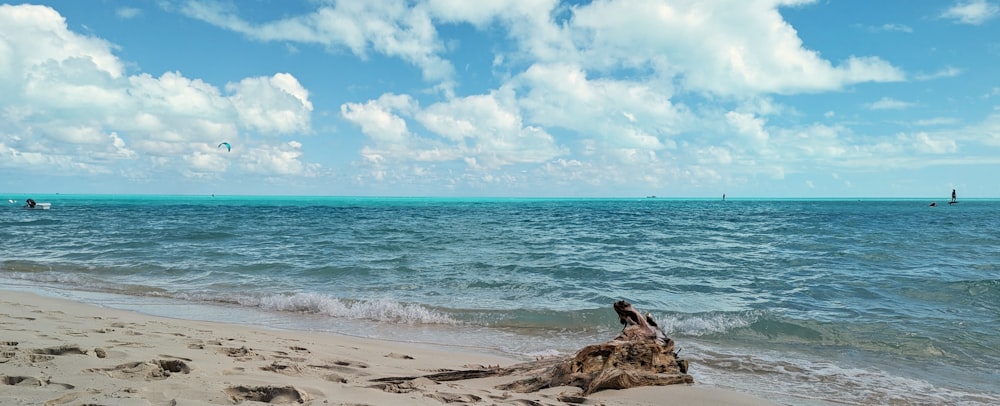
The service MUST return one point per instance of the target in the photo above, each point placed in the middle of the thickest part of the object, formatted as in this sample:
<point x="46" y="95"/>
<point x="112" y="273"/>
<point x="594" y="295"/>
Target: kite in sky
<point x="226" y="144"/>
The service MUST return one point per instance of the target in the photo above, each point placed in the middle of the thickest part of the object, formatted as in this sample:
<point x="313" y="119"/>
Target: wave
<point x="383" y="310"/>
<point x="712" y="323"/>
<point x="984" y="292"/>
<point x="30" y="223"/>
<point x="17" y="266"/>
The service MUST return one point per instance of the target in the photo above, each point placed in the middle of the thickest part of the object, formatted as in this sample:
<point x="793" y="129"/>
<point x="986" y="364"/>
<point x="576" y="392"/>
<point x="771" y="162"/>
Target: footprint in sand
<point x="282" y="368"/>
<point x="48" y="354"/>
<point x="20" y="381"/>
<point x="444" y="397"/>
<point x="398" y="356"/>
<point x="29" y="381"/>
<point x="7" y="351"/>
<point x="148" y="370"/>
<point x="286" y="356"/>
<point x="241" y="354"/>
<point x="60" y="350"/>
<point x="346" y="367"/>
<point x="267" y="394"/>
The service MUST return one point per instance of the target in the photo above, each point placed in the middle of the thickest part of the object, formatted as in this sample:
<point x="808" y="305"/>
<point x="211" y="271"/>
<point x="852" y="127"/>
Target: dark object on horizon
<point x="641" y="355"/>
<point x="933" y="204"/>
<point x="954" y="197"/>
<point x="31" y="203"/>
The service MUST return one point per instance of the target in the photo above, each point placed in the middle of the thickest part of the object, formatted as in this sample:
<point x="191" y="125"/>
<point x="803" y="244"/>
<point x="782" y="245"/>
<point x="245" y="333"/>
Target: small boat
<point x="31" y="204"/>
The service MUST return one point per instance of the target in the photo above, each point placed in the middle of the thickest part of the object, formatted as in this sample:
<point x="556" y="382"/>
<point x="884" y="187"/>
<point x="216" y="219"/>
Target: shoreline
<point x="56" y="351"/>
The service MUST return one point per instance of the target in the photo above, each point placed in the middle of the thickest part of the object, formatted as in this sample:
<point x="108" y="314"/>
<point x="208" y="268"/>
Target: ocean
<point x="854" y="301"/>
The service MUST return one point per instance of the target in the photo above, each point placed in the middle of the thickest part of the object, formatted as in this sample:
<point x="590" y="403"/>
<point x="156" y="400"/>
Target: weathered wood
<point x="641" y="355"/>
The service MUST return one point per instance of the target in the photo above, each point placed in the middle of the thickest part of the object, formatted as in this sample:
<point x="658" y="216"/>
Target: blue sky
<point x="521" y="98"/>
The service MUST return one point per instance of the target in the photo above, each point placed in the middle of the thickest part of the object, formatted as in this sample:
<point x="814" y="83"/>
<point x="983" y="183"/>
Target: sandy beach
<point x="60" y="352"/>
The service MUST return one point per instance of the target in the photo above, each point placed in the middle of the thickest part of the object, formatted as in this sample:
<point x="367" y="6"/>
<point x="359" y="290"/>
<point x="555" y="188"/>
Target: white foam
<point x="385" y="310"/>
<point x="706" y="323"/>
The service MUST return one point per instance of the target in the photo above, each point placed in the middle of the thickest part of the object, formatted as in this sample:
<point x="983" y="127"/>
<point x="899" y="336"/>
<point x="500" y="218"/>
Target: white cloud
<point x="618" y="93"/>
<point x="888" y="103"/>
<point x="388" y="27"/>
<point x="936" y="121"/>
<point x="34" y="36"/>
<point x="378" y="121"/>
<point x="710" y="53"/>
<point x="207" y="162"/>
<point x="973" y="12"/>
<point x="69" y="104"/>
<point x="747" y="124"/>
<point x="947" y="72"/>
<point x="481" y="14"/>
<point x="726" y="48"/>
<point x="483" y="132"/>
<point x="617" y="113"/>
<point x="128" y="13"/>
<point x="894" y="27"/>
<point x="815" y="145"/>
<point x="490" y="128"/>
<point x="277" y="104"/>
<point x="926" y="143"/>
<point x="604" y="75"/>
<point x="280" y="159"/>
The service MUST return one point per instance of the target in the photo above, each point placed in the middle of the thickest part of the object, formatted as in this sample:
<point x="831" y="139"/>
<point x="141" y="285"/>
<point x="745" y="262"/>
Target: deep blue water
<point x="857" y="301"/>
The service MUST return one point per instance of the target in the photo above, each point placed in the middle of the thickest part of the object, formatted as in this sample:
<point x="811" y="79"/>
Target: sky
<point x="502" y="98"/>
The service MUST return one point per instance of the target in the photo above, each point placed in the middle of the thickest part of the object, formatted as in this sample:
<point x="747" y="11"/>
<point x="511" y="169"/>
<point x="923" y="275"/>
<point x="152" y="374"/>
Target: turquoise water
<point x="861" y="302"/>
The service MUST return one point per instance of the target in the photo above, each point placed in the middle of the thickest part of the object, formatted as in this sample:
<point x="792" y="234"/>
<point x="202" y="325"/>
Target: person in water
<point x="31" y="203"/>
<point x="954" y="197"/>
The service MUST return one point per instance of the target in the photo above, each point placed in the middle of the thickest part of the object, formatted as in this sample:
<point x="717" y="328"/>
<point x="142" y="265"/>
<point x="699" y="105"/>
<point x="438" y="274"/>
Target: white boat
<point x="32" y="205"/>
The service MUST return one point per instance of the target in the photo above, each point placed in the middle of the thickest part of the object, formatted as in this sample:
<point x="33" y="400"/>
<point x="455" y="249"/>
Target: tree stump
<point x="641" y="355"/>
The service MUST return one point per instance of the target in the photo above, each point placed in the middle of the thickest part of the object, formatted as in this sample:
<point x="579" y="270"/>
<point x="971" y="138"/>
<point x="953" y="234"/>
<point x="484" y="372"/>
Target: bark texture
<point x="642" y="355"/>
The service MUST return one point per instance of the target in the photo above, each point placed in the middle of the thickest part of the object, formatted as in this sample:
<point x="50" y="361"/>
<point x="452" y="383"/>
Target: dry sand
<point x="59" y="352"/>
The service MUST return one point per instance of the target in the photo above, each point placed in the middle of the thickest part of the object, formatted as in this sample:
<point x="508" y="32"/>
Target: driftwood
<point x="641" y="355"/>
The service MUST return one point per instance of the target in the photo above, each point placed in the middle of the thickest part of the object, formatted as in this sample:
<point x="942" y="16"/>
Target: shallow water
<point x="875" y="301"/>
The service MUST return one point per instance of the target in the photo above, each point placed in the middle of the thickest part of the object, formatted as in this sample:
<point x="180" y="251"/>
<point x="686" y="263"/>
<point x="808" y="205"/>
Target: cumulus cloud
<point x="281" y="159"/>
<point x="749" y="125"/>
<point x="762" y="53"/>
<point x="616" y="113"/>
<point x="484" y="131"/>
<point x="490" y="127"/>
<point x="69" y="103"/>
<point x="605" y="74"/>
<point x="611" y="92"/>
<point x="726" y="48"/>
<point x="277" y="104"/>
